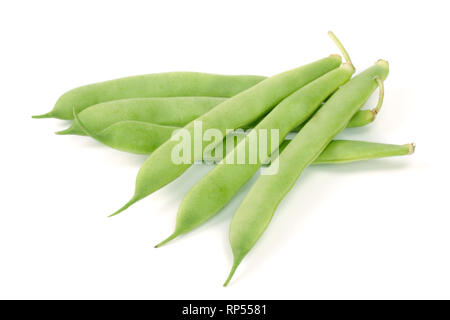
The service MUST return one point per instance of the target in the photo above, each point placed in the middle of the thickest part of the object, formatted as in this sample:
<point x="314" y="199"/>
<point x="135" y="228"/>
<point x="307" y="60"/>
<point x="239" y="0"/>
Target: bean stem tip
<point x="412" y="148"/>
<point x="380" y="96"/>
<point x="340" y="46"/>
<point x="382" y="62"/>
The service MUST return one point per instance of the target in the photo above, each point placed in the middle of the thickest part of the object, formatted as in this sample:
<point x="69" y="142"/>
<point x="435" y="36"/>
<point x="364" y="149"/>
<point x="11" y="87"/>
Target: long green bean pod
<point x="152" y="135"/>
<point x="217" y="188"/>
<point x="256" y="210"/>
<point x="172" y="111"/>
<point x="160" y="169"/>
<point x="169" y="84"/>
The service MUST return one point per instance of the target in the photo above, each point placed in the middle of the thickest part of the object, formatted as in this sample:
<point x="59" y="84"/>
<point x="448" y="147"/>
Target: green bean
<point x="217" y="188"/>
<point x="362" y="117"/>
<point x="170" y="84"/>
<point x="143" y="138"/>
<point x="172" y="111"/>
<point x="159" y="169"/>
<point x="344" y="151"/>
<point x="132" y="136"/>
<point x="256" y="210"/>
<point x="337" y="152"/>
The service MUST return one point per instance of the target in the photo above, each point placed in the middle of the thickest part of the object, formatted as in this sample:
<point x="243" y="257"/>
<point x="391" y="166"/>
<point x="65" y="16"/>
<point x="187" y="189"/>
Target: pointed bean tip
<point x="232" y="271"/>
<point x="125" y="206"/>
<point x="115" y="213"/>
<point x="62" y="132"/>
<point x="165" y="241"/>
<point x="43" y="116"/>
<point x="69" y="130"/>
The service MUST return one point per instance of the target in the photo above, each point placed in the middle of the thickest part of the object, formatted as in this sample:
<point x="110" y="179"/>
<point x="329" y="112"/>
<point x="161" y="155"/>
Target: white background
<point x="375" y="229"/>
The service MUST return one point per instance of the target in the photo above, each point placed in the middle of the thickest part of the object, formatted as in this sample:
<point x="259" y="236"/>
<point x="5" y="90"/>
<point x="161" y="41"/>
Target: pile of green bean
<point x="316" y="101"/>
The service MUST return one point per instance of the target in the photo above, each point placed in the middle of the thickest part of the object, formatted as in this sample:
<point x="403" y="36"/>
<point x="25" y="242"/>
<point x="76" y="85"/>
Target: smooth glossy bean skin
<point x="170" y="84"/>
<point x="172" y="111"/>
<point x="216" y="189"/>
<point x="244" y="108"/>
<point x="256" y="210"/>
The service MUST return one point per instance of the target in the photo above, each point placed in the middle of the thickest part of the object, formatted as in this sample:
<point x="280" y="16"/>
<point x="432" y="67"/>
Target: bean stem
<point x="340" y="46"/>
<point x="380" y="95"/>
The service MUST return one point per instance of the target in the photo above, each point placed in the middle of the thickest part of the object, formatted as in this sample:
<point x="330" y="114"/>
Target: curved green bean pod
<point x="344" y="151"/>
<point x="169" y="84"/>
<point x="172" y="111"/>
<point x="337" y="152"/>
<point x="159" y="169"/>
<point x="256" y="210"/>
<point x="362" y="118"/>
<point x="132" y="136"/>
<point x="217" y="188"/>
<point x="143" y="138"/>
